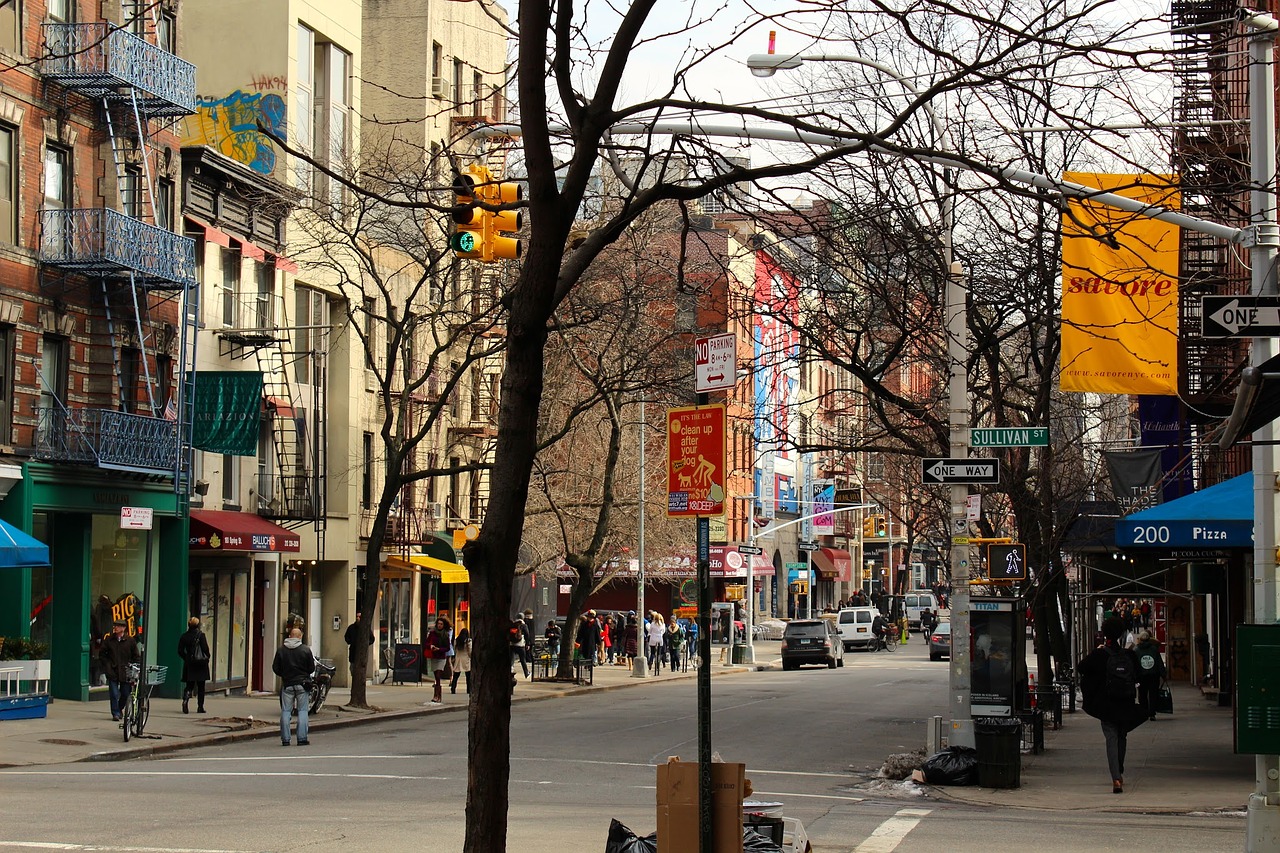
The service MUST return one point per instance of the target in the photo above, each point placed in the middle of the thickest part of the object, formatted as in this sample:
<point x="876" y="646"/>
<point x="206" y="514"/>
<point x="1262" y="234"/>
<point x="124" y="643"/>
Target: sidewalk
<point x="1177" y="764"/>
<point x="83" y="731"/>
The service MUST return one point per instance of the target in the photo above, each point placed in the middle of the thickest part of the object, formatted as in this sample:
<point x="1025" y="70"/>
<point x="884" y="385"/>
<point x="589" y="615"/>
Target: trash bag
<point x="754" y="842"/>
<point x="623" y="840"/>
<point x="956" y="765"/>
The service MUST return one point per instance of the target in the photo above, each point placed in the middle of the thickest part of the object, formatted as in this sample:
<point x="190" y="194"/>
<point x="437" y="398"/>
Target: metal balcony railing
<point x="100" y="60"/>
<point x="107" y="438"/>
<point x="286" y="496"/>
<point x="104" y="241"/>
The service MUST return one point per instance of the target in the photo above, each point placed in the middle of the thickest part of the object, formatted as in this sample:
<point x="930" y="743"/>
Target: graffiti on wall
<point x="231" y="123"/>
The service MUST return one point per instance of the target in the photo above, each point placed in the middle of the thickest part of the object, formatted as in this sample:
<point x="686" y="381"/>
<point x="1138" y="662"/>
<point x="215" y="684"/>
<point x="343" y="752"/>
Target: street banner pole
<point x="704" y="685"/>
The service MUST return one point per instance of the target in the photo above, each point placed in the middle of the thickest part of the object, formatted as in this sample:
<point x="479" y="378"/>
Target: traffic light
<point x="868" y="527"/>
<point x="499" y="245"/>
<point x="882" y="527"/>
<point x="1007" y="562"/>
<point x="468" y="236"/>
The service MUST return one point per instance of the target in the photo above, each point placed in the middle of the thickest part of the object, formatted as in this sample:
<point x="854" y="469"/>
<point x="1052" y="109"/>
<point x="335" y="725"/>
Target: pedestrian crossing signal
<point x="1007" y="563"/>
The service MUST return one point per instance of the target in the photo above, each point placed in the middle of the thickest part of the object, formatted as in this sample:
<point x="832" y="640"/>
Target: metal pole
<point x="1263" y="821"/>
<point x="749" y="618"/>
<point x="806" y="535"/>
<point x="705" y="840"/>
<point x="638" y="665"/>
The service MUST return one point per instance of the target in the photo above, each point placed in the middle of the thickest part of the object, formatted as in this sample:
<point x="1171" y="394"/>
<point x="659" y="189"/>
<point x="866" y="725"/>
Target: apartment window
<point x="131" y="192"/>
<point x="61" y="10"/>
<point x="164" y="204"/>
<point x="455" y="410"/>
<point x="8" y="354"/>
<point x="265" y="487"/>
<point x="313" y="321"/>
<point x="477" y="92"/>
<point x="8" y="186"/>
<point x="333" y="113"/>
<point x="230" y="286"/>
<point x="366" y="471"/>
<point x="54" y="362"/>
<point x="57" y="178"/>
<point x="10" y="26"/>
<point x="477" y="378"/>
<point x="136" y="15"/>
<point x="457" y="83"/>
<point x="166" y="32"/>
<point x="164" y="385"/>
<point x="304" y="75"/>
<point x="437" y="60"/>
<point x="130" y="371"/>
<point x="230" y="480"/>
<point x="266" y="275"/>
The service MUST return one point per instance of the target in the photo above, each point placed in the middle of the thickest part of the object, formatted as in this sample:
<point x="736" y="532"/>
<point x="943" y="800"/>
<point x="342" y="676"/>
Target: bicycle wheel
<point x="891" y="644"/>
<point x="126" y="716"/>
<point x="142" y="714"/>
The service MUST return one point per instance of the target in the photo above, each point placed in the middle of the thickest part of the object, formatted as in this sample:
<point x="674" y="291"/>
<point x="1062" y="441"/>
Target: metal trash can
<point x="999" y="744"/>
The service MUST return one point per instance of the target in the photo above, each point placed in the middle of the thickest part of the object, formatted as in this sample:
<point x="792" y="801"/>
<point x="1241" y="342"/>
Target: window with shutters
<point x="8" y="186"/>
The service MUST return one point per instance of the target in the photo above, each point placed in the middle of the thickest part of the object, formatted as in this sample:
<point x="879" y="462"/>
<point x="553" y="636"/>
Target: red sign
<point x="695" y="461"/>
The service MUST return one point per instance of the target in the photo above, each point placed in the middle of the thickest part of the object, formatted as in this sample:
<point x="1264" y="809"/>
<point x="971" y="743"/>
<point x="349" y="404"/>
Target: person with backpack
<point x="1150" y="672"/>
<point x="1109" y="683"/>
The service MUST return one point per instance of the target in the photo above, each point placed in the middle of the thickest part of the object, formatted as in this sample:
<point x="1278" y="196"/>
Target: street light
<point x="957" y="331"/>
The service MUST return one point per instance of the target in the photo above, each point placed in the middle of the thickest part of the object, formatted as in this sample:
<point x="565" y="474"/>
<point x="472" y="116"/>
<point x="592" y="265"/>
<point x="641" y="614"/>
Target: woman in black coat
<point x="193" y="648"/>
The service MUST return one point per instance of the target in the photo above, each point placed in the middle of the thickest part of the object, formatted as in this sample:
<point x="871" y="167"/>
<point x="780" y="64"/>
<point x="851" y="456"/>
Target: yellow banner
<point x="1120" y="290"/>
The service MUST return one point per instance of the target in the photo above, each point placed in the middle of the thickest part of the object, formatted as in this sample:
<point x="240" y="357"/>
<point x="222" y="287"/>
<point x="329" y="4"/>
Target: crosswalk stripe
<point x="888" y="835"/>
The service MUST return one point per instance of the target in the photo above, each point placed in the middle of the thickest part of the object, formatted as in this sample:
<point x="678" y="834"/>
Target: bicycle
<point x="887" y="642"/>
<point x="137" y="706"/>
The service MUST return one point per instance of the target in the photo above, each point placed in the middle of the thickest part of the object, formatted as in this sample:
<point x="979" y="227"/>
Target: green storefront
<point x="97" y="562"/>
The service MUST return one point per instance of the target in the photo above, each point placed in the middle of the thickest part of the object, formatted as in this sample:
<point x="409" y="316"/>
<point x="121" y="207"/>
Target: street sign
<point x="1240" y="316"/>
<point x="962" y="471"/>
<point x="753" y="550"/>
<point x="136" y="517"/>
<point x="959" y="540"/>
<point x="714" y="363"/>
<point x="807" y="546"/>
<point x="1009" y="437"/>
<point x="695" y="461"/>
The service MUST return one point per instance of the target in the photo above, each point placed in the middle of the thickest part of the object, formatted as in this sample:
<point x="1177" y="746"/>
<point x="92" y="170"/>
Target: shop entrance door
<point x="258" y="623"/>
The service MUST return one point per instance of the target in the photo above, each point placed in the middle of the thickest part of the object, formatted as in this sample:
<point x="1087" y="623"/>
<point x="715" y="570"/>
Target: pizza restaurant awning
<point x="833" y="564"/>
<point x="223" y="530"/>
<point x="447" y="572"/>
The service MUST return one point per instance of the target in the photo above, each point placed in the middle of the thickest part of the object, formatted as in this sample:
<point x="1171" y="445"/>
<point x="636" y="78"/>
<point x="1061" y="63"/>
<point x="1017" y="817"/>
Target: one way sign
<point x="1240" y="316"/>
<point x="962" y="470"/>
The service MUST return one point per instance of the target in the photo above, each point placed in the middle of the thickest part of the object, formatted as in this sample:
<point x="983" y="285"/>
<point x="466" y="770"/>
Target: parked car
<point x="811" y="641"/>
<point x="940" y="641"/>
<point x="914" y="603"/>
<point x="854" y="624"/>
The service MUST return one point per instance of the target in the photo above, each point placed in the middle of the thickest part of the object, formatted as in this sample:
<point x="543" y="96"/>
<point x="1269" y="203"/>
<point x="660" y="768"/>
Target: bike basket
<point x="157" y="674"/>
<point x="131" y="672"/>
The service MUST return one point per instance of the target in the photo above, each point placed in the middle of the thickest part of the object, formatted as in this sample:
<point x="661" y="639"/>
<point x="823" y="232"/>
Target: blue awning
<point x="18" y="549"/>
<point x="1220" y="516"/>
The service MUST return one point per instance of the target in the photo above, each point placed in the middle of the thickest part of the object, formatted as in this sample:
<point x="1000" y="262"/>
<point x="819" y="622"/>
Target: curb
<point x="361" y="718"/>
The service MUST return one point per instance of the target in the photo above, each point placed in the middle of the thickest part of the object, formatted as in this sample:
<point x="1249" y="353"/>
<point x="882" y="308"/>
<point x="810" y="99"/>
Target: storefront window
<point x="121" y="569"/>
<point x="219" y="596"/>
<point x="396" y="610"/>
<point x="41" y="588"/>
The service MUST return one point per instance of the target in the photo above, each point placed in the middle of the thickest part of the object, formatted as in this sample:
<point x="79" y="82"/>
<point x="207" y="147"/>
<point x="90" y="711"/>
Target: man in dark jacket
<point x="588" y="638"/>
<point x="294" y="663"/>
<point x="352" y="637"/>
<point x="1150" y="671"/>
<point x="117" y="652"/>
<point x="1108" y="680"/>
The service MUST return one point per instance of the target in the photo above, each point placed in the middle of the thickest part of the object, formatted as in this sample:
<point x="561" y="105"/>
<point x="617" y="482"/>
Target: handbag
<point x="1164" y="701"/>
<point x="197" y="650"/>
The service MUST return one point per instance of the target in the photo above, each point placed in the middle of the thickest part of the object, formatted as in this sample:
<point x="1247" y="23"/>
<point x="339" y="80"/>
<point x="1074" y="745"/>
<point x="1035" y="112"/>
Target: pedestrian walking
<point x="1108" y="681"/>
<point x="117" y="652"/>
<point x="588" y="638"/>
<point x="552" y="636"/>
<point x="461" y="659"/>
<point x="295" y="665"/>
<point x="193" y="648"/>
<point x="355" y="648"/>
<point x="515" y="639"/>
<point x="526" y="626"/>
<point x="435" y="658"/>
<point x="607" y="635"/>
<point x="631" y="640"/>
<point x="1151" y="672"/>
<point x="672" y="641"/>
<point x="656" y="630"/>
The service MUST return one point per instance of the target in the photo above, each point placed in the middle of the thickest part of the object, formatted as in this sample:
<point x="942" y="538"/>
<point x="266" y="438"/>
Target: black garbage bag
<point x="955" y="765"/>
<point x="623" y="840"/>
<point x="754" y="842"/>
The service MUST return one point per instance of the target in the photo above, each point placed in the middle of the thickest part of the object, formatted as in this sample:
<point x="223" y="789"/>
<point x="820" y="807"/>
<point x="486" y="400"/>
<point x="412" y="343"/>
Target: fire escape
<point x="138" y="270"/>
<point x="290" y="485"/>
<point x="1211" y="155"/>
<point x="415" y="520"/>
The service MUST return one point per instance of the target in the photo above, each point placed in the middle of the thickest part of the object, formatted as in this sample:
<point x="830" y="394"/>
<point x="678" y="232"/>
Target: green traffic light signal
<point x="463" y="241"/>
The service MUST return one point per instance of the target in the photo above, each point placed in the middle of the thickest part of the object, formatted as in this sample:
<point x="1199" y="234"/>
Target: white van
<point x="914" y="602"/>
<point x="854" y="625"/>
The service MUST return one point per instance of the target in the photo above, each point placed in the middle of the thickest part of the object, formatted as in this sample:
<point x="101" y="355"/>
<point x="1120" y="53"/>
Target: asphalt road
<point x="811" y="739"/>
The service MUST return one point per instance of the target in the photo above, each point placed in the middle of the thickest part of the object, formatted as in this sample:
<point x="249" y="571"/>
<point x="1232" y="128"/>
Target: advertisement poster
<point x="824" y="501"/>
<point x="997" y="643"/>
<point x="695" y="461"/>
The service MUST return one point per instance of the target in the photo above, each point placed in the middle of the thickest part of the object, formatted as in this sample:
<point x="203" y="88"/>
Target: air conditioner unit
<point x="435" y="510"/>
<point x="439" y="87"/>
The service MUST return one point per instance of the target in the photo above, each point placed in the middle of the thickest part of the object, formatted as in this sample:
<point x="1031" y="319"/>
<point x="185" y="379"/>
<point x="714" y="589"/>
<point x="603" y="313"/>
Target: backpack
<point x="1121" y="678"/>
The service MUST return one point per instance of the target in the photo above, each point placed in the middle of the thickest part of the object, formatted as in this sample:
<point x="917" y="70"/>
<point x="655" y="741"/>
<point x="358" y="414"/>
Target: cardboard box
<point x="678" y="806"/>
